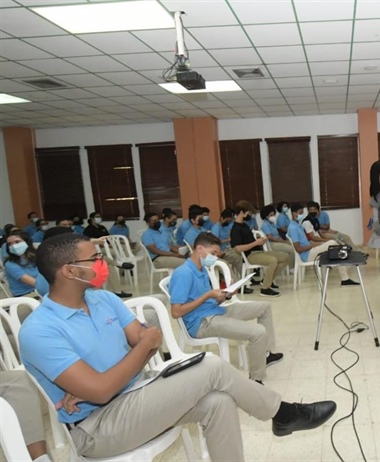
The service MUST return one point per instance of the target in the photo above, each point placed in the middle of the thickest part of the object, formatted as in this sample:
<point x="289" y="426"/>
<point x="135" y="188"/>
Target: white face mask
<point x="98" y="220"/>
<point x="35" y="219"/>
<point x="272" y="219"/>
<point x="44" y="227"/>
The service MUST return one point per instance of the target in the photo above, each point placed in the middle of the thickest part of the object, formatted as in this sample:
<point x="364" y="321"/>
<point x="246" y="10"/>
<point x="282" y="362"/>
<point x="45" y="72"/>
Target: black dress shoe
<point x="127" y="266"/>
<point x="123" y="294"/>
<point x="307" y="417"/>
<point x="247" y="290"/>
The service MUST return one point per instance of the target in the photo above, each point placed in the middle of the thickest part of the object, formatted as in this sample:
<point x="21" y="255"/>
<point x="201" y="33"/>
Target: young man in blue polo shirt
<point x="308" y="250"/>
<point x="185" y="225"/>
<point x="85" y="348"/>
<point x="196" y="225"/>
<point x="200" y="307"/>
<point x="31" y="228"/>
<point x="157" y="242"/>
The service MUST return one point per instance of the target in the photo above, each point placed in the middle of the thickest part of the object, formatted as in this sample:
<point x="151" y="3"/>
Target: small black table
<point x="356" y="259"/>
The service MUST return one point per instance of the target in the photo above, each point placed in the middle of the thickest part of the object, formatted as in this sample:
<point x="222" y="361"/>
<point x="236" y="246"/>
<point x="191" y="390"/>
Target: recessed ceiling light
<point x="330" y="81"/>
<point x="370" y="68"/>
<point x="9" y="99"/>
<point x="106" y="17"/>
<point x="211" y="87"/>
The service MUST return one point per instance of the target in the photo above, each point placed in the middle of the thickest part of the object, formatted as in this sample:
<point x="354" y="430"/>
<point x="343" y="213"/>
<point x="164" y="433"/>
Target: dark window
<point x="290" y="169"/>
<point x="113" y="181"/>
<point x="61" y="184"/>
<point x="338" y="171"/>
<point x="241" y="167"/>
<point x="378" y="143"/>
<point x="159" y="177"/>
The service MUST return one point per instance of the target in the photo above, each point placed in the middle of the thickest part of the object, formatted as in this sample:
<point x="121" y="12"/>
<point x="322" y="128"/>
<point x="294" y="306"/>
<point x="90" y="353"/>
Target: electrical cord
<point x="357" y="327"/>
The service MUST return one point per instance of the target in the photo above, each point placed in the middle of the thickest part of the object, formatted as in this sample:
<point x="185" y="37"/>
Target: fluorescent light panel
<point x="106" y="17"/>
<point x="9" y="99"/>
<point x="211" y="87"/>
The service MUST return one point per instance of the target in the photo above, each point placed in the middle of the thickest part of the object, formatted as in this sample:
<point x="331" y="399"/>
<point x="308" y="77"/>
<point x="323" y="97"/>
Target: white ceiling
<point x="112" y="78"/>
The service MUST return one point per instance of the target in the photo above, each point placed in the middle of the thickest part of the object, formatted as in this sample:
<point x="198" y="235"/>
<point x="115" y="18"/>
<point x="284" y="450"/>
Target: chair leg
<point x="224" y="349"/>
<point x="188" y="444"/>
<point x="58" y="435"/>
<point x="243" y="360"/>
<point x="295" y="276"/>
<point x="203" y="445"/>
<point x="151" y="282"/>
<point x="135" y="275"/>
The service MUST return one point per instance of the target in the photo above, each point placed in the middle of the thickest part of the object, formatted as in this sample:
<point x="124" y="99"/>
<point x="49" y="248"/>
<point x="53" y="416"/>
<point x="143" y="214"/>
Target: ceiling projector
<point x="191" y="80"/>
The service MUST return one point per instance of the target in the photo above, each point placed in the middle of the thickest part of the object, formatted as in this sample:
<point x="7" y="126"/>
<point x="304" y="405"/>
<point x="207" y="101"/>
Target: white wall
<point x="6" y="207"/>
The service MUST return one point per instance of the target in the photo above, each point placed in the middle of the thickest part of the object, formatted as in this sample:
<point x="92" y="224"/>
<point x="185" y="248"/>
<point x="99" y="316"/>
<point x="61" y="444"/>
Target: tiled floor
<point x="307" y="375"/>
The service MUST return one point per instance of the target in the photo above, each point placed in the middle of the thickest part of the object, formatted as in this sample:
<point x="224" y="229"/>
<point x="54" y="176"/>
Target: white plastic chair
<point x="188" y="246"/>
<point x="123" y="253"/>
<point x="152" y="270"/>
<point x="299" y="267"/>
<point x="11" y="438"/>
<point x="140" y="232"/>
<point x="4" y="282"/>
<point x="247" y="268"/>
<point x="258" y="234"/>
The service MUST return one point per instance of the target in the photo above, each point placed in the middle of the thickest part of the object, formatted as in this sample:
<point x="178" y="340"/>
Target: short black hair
<point x="149" y="215"/>
<point x="57" y="222"/>
<point x="227" y="213"/>
<point x="30" y="214"/>
<point x="280" y="205"/>
<point x="194" y="206"/>
<point x="57" y="251"/>
<point x="266" y="210"/>
<point x="193" y="213"/>
<point x="296" y="206"/>
<point x="207" y="240"/>
<point x="244" y="206"/>
<point x="205" y="209"/>
<point x="167" y="212"/>
<point x="56" y="230"/>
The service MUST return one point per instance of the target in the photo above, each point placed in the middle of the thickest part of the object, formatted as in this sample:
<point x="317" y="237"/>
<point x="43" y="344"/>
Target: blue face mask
<point x="285" y="209"/>
<point x="300" y="218"/>
<point x="205" y="217"/>
<point x="19" y="248"/>
<point x="209" y="260"/>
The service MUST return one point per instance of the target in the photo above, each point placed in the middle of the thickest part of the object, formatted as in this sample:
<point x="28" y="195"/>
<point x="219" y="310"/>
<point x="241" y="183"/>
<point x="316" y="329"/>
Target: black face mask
<point x="121" y="222"/>
<point x="78" y="222"/>
<point x="313" y="214"/>
<point x="226" y="223"/>
<point x="247" y="218"/>
<point x="172" y="224"/>
<point x="157" y="226"/>
<point x="201" y="222"/>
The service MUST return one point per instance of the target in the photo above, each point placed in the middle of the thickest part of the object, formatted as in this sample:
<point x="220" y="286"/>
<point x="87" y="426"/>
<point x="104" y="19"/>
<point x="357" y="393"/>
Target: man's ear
<point x="68" y="271"/>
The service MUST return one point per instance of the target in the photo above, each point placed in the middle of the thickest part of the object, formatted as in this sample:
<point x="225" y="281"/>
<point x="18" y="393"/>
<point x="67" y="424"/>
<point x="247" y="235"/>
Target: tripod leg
<point x="321" y="309"/>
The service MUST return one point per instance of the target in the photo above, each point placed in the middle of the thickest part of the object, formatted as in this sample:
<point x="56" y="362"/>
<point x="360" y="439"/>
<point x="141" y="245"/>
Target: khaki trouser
<point x="340" y="238"/>
<point x="283" y="247"/>
<point x="21" y="394"/>
<point x="235" y="325"/>
<point x="209" y="393"/>
<point x="342" y="270"/>
<point x="274" y="263"/>
<point x="168" y="262"/>
<point x="234" y="259"/>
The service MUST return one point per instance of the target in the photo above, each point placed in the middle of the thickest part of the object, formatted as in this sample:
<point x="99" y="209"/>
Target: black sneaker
<point x="269" y="293"/>
<point x="274" y="358"/>
<point x="349" y="282"/>
<point x="274" y="286"/>
<point x="255" y="283"/>
<point x="307" y="417"/>
<point x="123" y="294"/>
<point x="247" y="291"/>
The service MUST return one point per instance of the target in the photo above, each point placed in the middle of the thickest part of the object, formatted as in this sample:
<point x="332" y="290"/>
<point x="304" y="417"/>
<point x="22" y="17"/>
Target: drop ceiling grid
<point x="283" y="79"/>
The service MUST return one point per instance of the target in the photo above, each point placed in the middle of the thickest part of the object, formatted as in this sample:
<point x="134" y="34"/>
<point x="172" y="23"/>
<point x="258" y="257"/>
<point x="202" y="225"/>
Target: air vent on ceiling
<point x="251" y="73"/>
<point x="45" y="84"/>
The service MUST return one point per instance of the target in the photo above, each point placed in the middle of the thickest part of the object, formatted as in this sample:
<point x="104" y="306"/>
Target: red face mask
<point x="100" y="268"/>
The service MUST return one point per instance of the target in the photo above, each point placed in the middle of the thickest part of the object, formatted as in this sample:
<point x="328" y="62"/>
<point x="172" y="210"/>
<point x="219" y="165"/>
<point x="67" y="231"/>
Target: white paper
<point x="236" y="285"/>
<point x="183" y="250"/>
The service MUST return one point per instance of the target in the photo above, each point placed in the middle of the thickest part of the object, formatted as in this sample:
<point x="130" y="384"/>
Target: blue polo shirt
<point x="38" y="236"/>
<point x="282" y="220"/>
<point x="31" y="229"/>
<point x="269" y="228"/>
<point x="186" y="285"/>
<point x="207" y="225"/>
<point x="297" y="234"/>
<point x="123" y="231"/>
<point x="324" y="218"/>
<point x="181" y="231"/>
<point x="54" y="337"/>
<point x="252" y="223"/>
<point x="169" y="231"/>
<point x="158" y="238"/>
<point x="192" y="233"/>
<point x="15" y="272"/>
<point x="222" y="232"/>
<point x="79" y="229"/>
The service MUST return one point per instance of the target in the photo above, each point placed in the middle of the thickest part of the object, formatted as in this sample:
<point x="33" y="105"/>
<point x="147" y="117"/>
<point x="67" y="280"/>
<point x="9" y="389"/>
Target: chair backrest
<point x="140" y="232"/>
<point x="148" y="260"/>
<point x="219" y="267"/>
<point x="139" y="303"/>
<point x="188" y="246"/>
<point x="105" y="249"/>
<point x="8" y="353"/>
<point x="297" y="255"/>
<point x="257" y="233"/>
<point x="121" y="247"/>
<point x="11" y="438"/>
<point x="4" y="283"/>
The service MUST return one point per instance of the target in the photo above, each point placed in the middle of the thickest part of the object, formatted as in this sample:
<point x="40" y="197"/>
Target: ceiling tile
<point x="149" y="89"/>
<point x="38" y="96"/>
<point x="32" y="24"/>
<point x="324" y="10"/>
<point x="274" y="34"/>
<point x="247" y="102"/>
<point x="287" y="54"/>
<point x="326" y="32"/>
<point x="16" y="49"/>
<point x="162" y="40"/>
<point x="83" y="80"/>
<point x="204" y="13"/>
<point x="288" y="70"/>
<point x="167" y="98"/>
<point x="257" y="84"/>
<point x="363" y="89"/>
<point x="331" y="90"/>
<point x="367" y="30"/>
<point x="213" y="73"/>
<point x="67" y="104"/>
<point x="147" y="107"/>
<point x="143" y="61"/>
<point x="7" y="85"/>
<point x="357" y="67"/>
<point x="264" y="93"/>
<point x="319" y="80"/>
<point x="333" y="52"/>
<point x="115" y="42"/>
<point x="329" y="68"/>
<point x="3" y="35"/>
<point x="332" y="98"/>
<point x="210" y="104"/>
<point x="7" y="3"/>
<point x="249" y="110"/>
<point x="294" y="82"/>
<point x="192" y="113"/>
<point x="304" y="91"/>
<point x="124" y="78"/>
<point x="72" y="93"/>
<point x="262" y="11"/>
<point x="127" y="100"/>
<point x="264" y="102"/>
<point x="278" y="108"/>
<point x="52" y="66"/>
<point x="31" y="3"/>
<point x="13" y="70"/>
<point x="364" y="97"/>
<point x="118" y="109"/>
<point x="96" y="102"/>
<point x="367" y="9"/>
<point x="365" y="79"/>
<point x="64" y="46"/>
<point x="198" y="58"/>
<point x="366" y="50"/>
<point x="294" y="100"/>
<point x="232" y="57"/>
<point x="221" y="37"/>
<point x="98" y="64"/>
<point x="304" y="107"/>
<point x="178" y="105"/>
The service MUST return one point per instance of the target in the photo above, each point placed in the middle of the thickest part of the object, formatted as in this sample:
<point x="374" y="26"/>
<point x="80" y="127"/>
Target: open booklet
<point x="236" y="285"/>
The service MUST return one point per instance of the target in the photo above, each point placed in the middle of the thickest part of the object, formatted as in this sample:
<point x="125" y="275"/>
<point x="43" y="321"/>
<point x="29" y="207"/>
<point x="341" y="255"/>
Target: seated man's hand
<point x="69" y="403"/>
<point x="151" y="336"/>
<point x="261" y="240"/>
<point x="219" y="295"/>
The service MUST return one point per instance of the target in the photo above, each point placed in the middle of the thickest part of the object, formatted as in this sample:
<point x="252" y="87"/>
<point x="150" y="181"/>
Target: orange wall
<point x="19" y="150"/>
<point x="368" y="154"/>
<point x="199" y="168"/>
